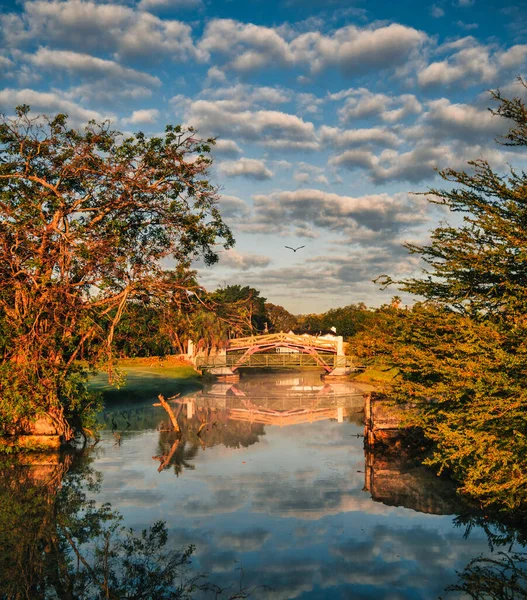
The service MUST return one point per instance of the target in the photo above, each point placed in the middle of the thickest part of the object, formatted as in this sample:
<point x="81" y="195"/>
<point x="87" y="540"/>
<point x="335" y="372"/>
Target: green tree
<point x="246" y="302"/>
<point x="278" y="318"/>
<point x="86" y="220"/>
<point x="463" y="355"/>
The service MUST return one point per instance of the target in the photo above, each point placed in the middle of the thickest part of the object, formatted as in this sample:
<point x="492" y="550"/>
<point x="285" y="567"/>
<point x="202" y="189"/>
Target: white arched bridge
<point x="278" y="350"/>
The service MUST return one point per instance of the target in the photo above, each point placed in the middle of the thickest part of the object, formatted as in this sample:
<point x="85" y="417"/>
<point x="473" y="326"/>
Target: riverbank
<point x="146" y="378"/>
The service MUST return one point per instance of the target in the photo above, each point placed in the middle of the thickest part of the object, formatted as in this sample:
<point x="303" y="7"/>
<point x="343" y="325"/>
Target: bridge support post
<point x="341" y="370"/>
<point x="223" y="374"/>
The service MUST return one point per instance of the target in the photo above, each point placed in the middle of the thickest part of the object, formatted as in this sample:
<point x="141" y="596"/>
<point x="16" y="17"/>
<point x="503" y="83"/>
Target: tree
<point x="463" y="354"/>
<point x="87" y="219"/>
<point x="246" y="302"/>
<point x="278" y="318"/>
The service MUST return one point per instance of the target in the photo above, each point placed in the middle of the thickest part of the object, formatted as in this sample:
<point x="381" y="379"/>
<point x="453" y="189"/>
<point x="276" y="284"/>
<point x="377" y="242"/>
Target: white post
<point x="190" y="409"/>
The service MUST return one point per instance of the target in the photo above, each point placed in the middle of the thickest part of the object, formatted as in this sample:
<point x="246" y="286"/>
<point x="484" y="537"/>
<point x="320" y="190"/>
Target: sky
<point x="329" y="116"/>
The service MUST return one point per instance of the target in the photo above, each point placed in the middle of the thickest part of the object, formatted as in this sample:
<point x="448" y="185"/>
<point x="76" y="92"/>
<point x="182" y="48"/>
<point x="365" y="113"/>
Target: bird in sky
<point x="294" y="249"/>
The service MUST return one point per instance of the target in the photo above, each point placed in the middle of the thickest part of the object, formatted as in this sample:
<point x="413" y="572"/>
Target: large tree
<point x="88" y="221"/>
<point x="462" y="354"/>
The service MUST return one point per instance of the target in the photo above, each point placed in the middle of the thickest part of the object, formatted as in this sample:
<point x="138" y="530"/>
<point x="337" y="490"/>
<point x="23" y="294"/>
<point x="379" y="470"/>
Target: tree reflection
<point x="502" y="577"/>
<point x="55" y="542"/>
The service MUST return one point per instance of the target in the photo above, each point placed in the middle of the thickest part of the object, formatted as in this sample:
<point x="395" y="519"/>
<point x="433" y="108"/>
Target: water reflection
<point x="234" y="414"/>
<point x="56" y="542"/>
<point x="286" y="499"/>
<point x="397" y="479"/>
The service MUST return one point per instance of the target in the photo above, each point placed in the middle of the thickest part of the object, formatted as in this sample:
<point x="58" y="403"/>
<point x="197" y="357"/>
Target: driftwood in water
<point x="162" y="402"/>
<point x="165" y="460"/>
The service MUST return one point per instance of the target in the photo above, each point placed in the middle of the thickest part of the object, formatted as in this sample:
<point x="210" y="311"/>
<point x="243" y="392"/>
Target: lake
<point x="271" y="484"/>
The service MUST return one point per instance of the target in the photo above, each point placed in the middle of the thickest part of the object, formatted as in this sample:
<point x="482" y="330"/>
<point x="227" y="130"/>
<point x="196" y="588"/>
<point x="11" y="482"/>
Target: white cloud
<point x="268" y="127"/>
<point x="232" y="207"/>
<point x="249" y="96"/>
<point x="467" y="26"/>
<point x="245" y="47"/>
<point x="107" y="91"/>
<point x="419" y="163"/>
<point x="472" y="64"/>
<point x="356" y="50"/>
<point x="251" y="168"/>
<point x="226" y="147"/>
<point x="243" y="260"/>
<point x="436" y="11"/>
<point x="153" y="5"/>
<point x="343" y="138"/>
<point x="361" y="103"/>
<point x="99" y="27"/>
<point x="5" y="62"/>
<point x="86" y="65"/>
<point x="145" y="115"/>
<point x="326" y="210"/>
<point x="462" y="121"/>
<point x="48" y="103"/>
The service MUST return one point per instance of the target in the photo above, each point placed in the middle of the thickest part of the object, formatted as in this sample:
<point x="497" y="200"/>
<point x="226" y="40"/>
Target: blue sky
<point x="327" y="113"/>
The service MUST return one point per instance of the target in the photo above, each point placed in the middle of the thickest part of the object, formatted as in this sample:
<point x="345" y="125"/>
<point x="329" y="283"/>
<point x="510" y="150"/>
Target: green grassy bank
<point x="146" y="378"/>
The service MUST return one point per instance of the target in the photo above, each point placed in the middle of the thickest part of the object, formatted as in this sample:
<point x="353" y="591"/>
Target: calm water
<point x="271" y="483"/>
<point x="277" y="483"/>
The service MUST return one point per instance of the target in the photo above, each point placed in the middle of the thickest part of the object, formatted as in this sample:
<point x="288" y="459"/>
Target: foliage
<point x="347" y="320"/>
<point x="55" y="542"/>
<point x="503" y="577"/>
<point x="462" y="356"/>
<point x="86" y="220"/>
<point x="278" y="318"/>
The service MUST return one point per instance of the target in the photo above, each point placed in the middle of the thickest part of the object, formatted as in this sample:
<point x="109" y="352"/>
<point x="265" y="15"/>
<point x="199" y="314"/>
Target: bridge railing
<point x="273" y="360"/>
<point x="287" y="339"/>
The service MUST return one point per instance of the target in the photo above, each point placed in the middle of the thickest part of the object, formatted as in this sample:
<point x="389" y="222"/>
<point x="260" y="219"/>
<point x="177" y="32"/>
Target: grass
<point x="377" y="375"/>
<point x="146" y="378"/>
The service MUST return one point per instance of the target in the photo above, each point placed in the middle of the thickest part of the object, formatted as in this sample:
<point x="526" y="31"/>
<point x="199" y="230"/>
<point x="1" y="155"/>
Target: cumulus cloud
<point x="245" y="47"/>
<point x="474" y="63"/>
<point x="232" y="207"/>
<point x="95" y="27"/>
<point x="462" y="121"/>
<point x="49" y="103"/>
<point x="249" y="96"/>
<point x="344" y="138"/>
<point x="108" y="92"/>
<point x="242" y="260"/>
<point x="86" y="65"/>
<point x="267" y="127"/>
<point x="251" y="168"/>
<point x="436" y="11"/>
<point x="226" y="147"/>
<point x="153" y="5"/>
<point x="419" y="163"/>
<point x="146" y="115"/>
<point x="355" y="50"/>
<point x="326" y="210"/>
<point x="361" y="103"/>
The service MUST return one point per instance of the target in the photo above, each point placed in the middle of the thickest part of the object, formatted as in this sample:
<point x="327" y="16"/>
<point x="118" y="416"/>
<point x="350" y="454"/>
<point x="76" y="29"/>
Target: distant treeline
<point x="210" y="319"/>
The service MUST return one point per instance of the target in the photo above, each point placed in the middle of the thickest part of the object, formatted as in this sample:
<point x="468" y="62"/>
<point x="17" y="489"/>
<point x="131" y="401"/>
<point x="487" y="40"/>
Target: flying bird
<point x="294" y="249"/>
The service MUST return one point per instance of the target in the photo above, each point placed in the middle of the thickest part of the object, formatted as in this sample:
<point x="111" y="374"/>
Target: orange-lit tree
<point x="87" y="220"/>
<point x="462" y="355"/>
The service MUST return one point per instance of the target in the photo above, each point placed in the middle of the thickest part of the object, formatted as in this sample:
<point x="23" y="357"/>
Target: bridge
<point x="278" y="350"/>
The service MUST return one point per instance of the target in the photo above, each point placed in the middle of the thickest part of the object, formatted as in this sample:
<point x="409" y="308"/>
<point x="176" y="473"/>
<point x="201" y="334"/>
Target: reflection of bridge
<point x="298" y="406"/>
<point x="278" y="350"/>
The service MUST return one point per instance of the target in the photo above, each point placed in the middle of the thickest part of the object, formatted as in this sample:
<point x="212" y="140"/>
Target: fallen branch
<point x="162" y="402"/>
